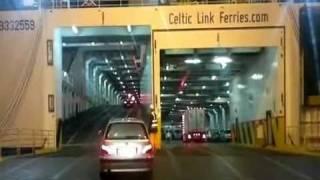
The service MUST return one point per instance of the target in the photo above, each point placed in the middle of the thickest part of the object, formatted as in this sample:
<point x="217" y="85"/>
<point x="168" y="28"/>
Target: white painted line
<point x="174" y="164"/>
<point x="67" y="168"/>
<point x="288" y="169"/>
<point x="22" y="165"/>
<point x="233" y="169"/>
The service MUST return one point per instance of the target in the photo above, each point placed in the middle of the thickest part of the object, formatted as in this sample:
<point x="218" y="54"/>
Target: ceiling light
<point x="111" y="68"/>
<point x="75" y="29"/>
<point x="132" y="82"/>
<point x="275" y="64"/>
<point x="93" y="43"/>
<point x="123" y="87"/>
<point x="192" y="61"/>
<point x="121" y="56"/>
<point x="174" y="105"/>
<point x="130" y="77"/>
<point x="163" y="87"/>
<point x="124" y="91"/>
<point x="128" y="71"/>
<point x="165" y="78"/>
<point x="228" y="102"/>
<point x="257" y="76"/>
<point x="28" y="2"/>
<point x="177" y="99"/>
<point x="106" y="60"/>
<point x="180" y="92"/>
<point x="228" y="92"/>
<point x="115" y="73"/>
<point x="191" y="102"/>
<point x="213" y="77"/>
<point x="203" y="87"/>
<point x="223" y="60"/>
<point x="64" y="44"/>
<point x="227" y="84"/>
<point x="65" y="74"/>
<point x="121" y="42"/>
<point x="126" y="66"/>
<point x="167" y="67"/>
<point x="129" y="28"/>
<point x="121" y="82"/>
<point x="211" y="104"/>
<point x="197" y="94"/>
<point x="134" y="87"/>
<point x="118" y="78"/>
<point x="185" y="84"/>
<point x="241" y="86"/>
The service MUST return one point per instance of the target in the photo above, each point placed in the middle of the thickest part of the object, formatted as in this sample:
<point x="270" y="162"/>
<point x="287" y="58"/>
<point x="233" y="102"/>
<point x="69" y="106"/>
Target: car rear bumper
<point x="140" y="165"/>
<point x="195" y="140"/>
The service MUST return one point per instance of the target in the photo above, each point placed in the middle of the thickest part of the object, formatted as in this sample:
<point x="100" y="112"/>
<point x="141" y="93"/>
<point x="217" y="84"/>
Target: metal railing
<point x="57" y="4"/>
<point x="310" y="134"/>
<point x="19" y="139"/>
<point x="292" y="135"/>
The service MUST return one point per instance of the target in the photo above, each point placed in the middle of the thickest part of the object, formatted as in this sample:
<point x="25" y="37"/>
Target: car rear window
<point x="118" y="131"/>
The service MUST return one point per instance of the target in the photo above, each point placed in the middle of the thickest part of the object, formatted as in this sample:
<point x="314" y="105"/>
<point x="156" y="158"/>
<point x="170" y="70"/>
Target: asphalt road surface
<point x="175" y="161"/>
<point x="78" y="160"/>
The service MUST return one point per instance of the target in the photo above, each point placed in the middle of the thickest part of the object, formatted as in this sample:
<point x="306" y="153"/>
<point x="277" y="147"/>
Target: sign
<point x="216" y="17"/>
<point x="17" y="25"/>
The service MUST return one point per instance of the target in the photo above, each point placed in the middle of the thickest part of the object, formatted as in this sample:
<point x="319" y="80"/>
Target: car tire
<point x="103" y="175"/>
<point x="148" y="175"/>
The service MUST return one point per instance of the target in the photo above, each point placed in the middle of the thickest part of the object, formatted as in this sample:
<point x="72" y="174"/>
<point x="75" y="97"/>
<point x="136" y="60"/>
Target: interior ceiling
<point x="191" y="85"/>
<point x="118" y="53"/>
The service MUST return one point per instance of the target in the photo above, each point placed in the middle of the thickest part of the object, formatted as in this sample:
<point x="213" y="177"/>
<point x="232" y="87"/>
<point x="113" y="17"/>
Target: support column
<point x="100" y="96"/>
<point x="216" y="119"/>
<point x="104" y="92"/>
<point x="223" y="117"/>
<point x="112" y="97"/>
<point x="96" y="85"/>
<point x="211" y="121"/>
<point x="109" y="93"/>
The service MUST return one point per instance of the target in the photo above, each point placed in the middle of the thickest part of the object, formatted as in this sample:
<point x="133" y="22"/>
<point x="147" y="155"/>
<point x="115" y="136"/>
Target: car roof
<point x="126" y="120"/>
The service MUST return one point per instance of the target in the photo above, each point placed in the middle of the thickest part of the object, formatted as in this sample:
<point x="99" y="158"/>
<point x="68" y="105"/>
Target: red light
<point x="103" y="150"/>
<point x="103" y="153"/>
<point x="148" y="150"/>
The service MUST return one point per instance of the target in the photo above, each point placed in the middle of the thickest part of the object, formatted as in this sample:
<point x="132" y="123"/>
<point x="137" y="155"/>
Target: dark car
<point x="195" y="136"/>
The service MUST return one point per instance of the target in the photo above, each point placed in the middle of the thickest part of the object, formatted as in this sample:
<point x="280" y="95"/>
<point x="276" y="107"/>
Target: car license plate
<point x="127" y="152"/>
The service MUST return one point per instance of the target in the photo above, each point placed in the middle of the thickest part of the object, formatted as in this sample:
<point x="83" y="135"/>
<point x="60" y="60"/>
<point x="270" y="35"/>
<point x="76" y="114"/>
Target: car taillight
<point x="204" y="136"/>
<point x="148" y="150"/>
<point x="189" y="136"/>
<point x="104" y="150"/>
